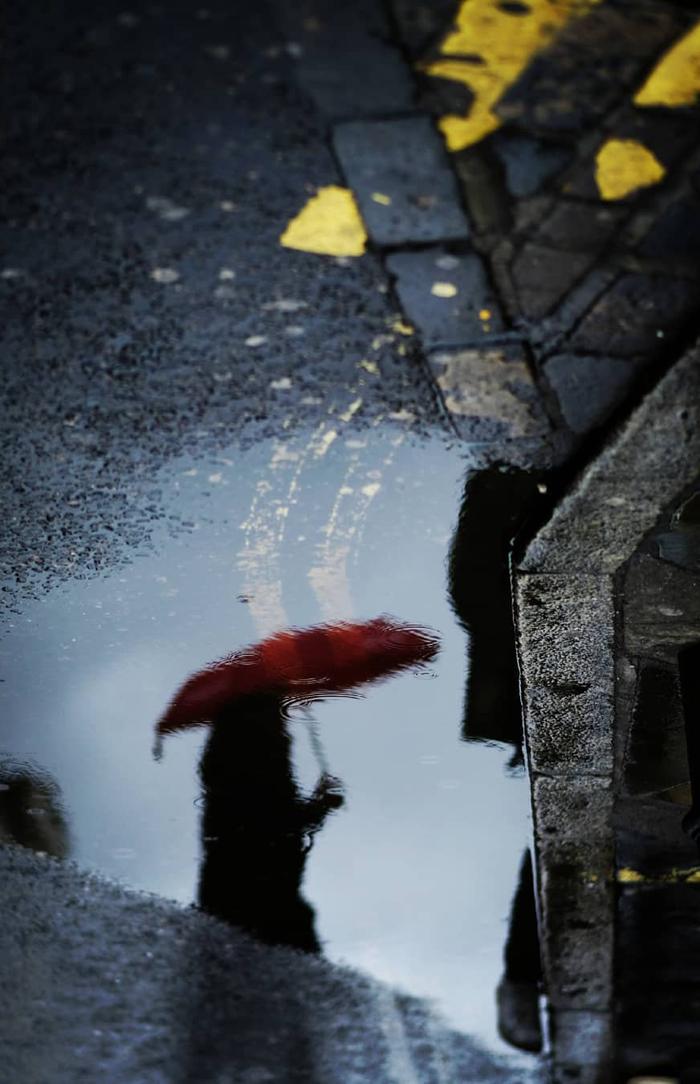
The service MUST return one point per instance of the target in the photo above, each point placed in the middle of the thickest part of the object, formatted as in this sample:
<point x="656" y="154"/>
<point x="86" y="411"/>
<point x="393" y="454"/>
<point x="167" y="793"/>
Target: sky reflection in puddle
<point x="412" y="879"/>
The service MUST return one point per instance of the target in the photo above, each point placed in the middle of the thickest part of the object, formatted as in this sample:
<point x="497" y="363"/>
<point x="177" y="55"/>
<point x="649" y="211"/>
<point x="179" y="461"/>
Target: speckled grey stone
<point x="565" y="639"/>
<point x="600" y="522"/>
<point x="576" y="889"/>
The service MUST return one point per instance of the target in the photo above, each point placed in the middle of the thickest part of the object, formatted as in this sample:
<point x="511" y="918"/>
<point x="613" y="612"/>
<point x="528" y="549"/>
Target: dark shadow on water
<point x="257" y="826"/>
<point x="495" y="504"/>
<point x="689" y="676"/>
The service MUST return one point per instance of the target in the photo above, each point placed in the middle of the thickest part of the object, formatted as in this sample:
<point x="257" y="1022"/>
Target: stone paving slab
<point x="669" y="136"/>
<point x="366" y="77"/>
<point x="578" y="227"/>
<point x="656" y="754"/>
<point x="662" y="613"/>
<point x="676" y="233"/>
<point x="577" y="535"/>
<point x="447" y="296"/>
<point x="577" y="893"/>
<point x="344" y="57"/>
<point x="637" y="316"/>
<point x="657" y="968"/>
<point x="565" y="636"/>
<point x="549" y="335"/>
<point x="649" y="838"/>
<point x="489" y="393"/>
<point x="419" y="22"/>
<point x="589" y="66"/>
<point x="528" y="162"/>
<point x="589" y="388"/>
<point x="401" y="178"/>
<point x="543" y="276"/>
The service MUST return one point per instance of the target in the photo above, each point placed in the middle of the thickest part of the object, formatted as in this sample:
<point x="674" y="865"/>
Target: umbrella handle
<point x="316" y="743"/>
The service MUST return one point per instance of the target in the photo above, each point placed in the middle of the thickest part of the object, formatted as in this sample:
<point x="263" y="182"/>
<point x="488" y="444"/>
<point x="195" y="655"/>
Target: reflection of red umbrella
<point x="299" y="665"/>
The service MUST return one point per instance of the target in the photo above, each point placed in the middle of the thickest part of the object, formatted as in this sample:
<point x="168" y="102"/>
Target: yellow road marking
<point x="623" y="166"/>
<point x="488" y="50"/>
<point x="352" y="409"/>
<point x="328" y="225"/>
<point x="676" y="78"/>
<point x="690" y="875"/>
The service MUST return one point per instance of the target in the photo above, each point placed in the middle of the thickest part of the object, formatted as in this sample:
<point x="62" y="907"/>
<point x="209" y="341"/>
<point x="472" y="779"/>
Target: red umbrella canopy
<point x="301" y="664"/>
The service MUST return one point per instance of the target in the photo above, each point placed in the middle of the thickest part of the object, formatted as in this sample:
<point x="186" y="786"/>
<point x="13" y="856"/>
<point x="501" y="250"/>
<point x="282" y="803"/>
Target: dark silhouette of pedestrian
<point x="257" y="826"/>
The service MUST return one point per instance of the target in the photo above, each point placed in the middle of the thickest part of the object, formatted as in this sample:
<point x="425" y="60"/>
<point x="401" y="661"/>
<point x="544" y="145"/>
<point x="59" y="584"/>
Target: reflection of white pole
<point x="315" y="740"/>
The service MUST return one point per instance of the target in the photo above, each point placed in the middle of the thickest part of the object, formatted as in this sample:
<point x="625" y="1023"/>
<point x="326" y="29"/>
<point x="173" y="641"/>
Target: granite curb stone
<point x="402" y="180"/>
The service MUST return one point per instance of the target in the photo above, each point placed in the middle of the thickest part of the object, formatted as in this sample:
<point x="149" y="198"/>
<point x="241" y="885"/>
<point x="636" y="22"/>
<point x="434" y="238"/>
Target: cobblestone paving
<point x="599" y="292"/>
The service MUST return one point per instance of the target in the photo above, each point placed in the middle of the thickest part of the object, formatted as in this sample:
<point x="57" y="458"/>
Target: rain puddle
<point x="412" y="878"/>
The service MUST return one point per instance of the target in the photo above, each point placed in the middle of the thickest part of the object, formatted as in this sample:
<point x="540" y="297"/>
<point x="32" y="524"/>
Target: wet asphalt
<point x="155" y="334"/>
<point x="153" y="156"/>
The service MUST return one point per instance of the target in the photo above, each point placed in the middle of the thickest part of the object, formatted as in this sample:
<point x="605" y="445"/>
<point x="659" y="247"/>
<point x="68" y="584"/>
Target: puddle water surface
<point x="412" y="879"/>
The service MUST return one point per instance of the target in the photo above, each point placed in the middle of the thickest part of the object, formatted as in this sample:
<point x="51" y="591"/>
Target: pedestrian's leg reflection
<point x="257" y="827"/>
<point x="518" y="991"/>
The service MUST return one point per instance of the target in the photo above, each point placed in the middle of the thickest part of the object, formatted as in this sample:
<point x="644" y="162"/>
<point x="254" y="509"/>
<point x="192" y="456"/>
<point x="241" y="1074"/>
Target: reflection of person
<point x="495" y="504"/>
<point x="257" y="827"/>
<point x="517" y="996"/>
<point x="30" y="810"/>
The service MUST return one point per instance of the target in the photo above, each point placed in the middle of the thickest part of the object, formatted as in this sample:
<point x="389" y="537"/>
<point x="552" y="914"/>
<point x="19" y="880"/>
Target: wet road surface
<point x="211" y="433"/>
<point x="412" y="879"/>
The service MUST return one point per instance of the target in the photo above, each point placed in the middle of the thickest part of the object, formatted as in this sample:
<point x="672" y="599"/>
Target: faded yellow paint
<point x="629" y="876"/>
<point x="443" y="289"/>
<point x="623" y="166"/>
<point x="402" y="328"/>
<point x="488" y="50"/>
<point x="325" y="442"/>
<point x="484" y="314"/>
<point x="689" y="875"/>
<point x="676" y="78"/>
<point x="351" y="410"/>
<point x="329" y="225"/>
<point x="379" y="197"/>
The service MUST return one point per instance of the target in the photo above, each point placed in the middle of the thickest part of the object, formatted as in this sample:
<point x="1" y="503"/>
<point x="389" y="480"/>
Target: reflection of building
<point x="257" y="827"/>
<point x="495" y="503"/>
<point x="31" y="812"/>
<point x="607" y="594"/>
